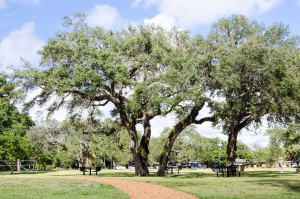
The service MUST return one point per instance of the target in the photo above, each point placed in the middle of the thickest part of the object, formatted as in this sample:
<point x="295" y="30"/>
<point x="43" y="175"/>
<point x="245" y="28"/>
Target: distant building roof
<point x="196" y="161"/>
<point x="240" y="161"/>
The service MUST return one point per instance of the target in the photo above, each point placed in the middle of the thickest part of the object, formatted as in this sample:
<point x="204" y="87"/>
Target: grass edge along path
<point x="138" y="190"/>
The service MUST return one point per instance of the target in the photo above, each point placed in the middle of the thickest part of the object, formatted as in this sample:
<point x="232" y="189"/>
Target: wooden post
<point x="18" y="165"/>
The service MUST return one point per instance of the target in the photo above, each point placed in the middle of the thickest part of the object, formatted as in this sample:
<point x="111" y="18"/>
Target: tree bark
<point x="231" y="147"/>
<point x="165" y="155"/>
<point x="80" y="157"/>
<point x="89" y="149"/>
<point x="237" y="123"/>
<point x="143" y="149"/>
<point x="139" y="154"/>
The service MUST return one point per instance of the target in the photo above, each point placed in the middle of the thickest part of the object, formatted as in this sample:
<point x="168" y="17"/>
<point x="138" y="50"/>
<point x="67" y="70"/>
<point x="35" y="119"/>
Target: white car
<point x="119" y="167"/>
<point x="131" y="167"/>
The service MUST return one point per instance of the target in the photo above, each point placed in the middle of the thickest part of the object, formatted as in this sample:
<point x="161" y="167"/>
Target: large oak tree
<point x="139" y="71"/>
<point x="257" y="74"/>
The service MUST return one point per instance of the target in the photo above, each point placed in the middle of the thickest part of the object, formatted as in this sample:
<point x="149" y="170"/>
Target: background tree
<point x="81" y="135"/>
<point x="155" y="148"/>
<point x="13" y="125"/>
<point x="244" y="152"/>
<point x="285" y="142"/>
<point x="275" y="146"/>
<point x="259" y="155"/>
<point x="189" y="146"/>
<point x="256" y="74"/>
<point x="47" y="138"/>
<point x="291" y="140"/>
<point x="114" y="148"/>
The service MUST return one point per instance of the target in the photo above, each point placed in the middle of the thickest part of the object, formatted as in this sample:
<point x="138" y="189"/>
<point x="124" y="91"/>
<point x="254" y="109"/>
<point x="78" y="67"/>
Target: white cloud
<point x="147" y="2"/>
<point x="20" y="43"/>
<point x="106" y="16"/>
<point x="161" y="20"/>
<point x="191" y="13"/>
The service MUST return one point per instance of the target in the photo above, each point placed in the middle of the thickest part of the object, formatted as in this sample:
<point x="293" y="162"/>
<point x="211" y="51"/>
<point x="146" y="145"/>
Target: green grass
<point x="254" y="183"/>
<point x="22" y="186"/>
<point x="254" y="186"/>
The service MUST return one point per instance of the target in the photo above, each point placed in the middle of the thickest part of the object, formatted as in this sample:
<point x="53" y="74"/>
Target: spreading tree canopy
<point x="139" y="71"/>
<point x="257" y="74"/>
<point x="242" y="71"/>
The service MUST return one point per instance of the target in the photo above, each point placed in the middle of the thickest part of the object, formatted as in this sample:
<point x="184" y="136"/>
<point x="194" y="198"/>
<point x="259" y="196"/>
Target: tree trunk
<point x="165" y="155"/>
<point x="114" y="164"/>
<point x="178" y="128"/>
<point x="231" y="147"/>
<point x="80" y="157"/>
<point x="89" y="149"/>
<point x="138" y="153"/>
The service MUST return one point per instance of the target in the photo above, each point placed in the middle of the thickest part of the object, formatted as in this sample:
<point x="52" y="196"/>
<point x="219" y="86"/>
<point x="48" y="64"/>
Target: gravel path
<point x="141" y="190"/>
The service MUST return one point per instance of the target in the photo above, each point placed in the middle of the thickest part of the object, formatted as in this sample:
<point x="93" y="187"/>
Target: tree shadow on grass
<point x="290" y="185"/>
<point x="189" y="175"/>
<point x="268" y="174"/>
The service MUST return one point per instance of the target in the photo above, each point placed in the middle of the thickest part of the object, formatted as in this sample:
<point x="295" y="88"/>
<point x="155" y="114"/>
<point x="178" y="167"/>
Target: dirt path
<point x="141" y="190"/>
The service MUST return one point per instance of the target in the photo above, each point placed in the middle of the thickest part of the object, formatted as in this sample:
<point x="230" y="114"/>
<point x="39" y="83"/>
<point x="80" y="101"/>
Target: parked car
<point x="21" y="167"/>
<point x="185" y="166"/>
<point x="172" y="166"/>
<point x="197" y="167"/>
<point x="119" y="167"/>
<point x="131" y="167"/>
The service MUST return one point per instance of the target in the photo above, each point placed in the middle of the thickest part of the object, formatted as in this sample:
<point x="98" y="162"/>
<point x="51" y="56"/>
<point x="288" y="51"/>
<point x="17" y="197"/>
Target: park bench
<point x="235" y="169"/>
<point x="241" y="169"/>
<point x="232" y="170"/>
<point x="97" y="169"/>
<point x="173" y="167"/>
<point x="89" y="169"/>
<point x="219" y="169"/>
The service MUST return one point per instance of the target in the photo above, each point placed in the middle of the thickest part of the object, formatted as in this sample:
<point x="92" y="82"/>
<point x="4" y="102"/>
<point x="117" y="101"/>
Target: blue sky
<point x="26" y="25"/>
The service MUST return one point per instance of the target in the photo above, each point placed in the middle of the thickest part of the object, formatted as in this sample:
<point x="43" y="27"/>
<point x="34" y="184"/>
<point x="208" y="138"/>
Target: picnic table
<point x="232" y="170"/>
<point x="173" y="167"/>
<point x="89" y="169"/>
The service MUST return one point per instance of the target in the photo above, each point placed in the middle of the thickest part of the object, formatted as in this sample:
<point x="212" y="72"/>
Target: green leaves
<point x="253" y="68"/>
<point x="14" y="147"/>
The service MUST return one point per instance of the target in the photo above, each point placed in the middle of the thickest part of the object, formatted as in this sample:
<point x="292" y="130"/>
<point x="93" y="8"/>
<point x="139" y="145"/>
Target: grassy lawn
<point x="33" y="186"/>
<point x="254" y="183"/>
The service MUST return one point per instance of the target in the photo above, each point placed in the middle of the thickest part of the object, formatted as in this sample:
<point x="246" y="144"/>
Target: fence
<point x="8" y="165"/>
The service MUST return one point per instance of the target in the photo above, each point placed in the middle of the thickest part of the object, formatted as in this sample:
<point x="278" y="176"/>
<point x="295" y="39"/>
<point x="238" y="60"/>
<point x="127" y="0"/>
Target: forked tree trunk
<point x="140" y="161"/>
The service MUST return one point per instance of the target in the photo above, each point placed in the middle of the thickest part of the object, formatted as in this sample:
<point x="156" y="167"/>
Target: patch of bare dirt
<point x="141" y="190"/>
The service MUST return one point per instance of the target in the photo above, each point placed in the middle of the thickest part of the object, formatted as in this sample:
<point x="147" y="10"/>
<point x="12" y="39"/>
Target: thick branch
<point x="250" y="119"/>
